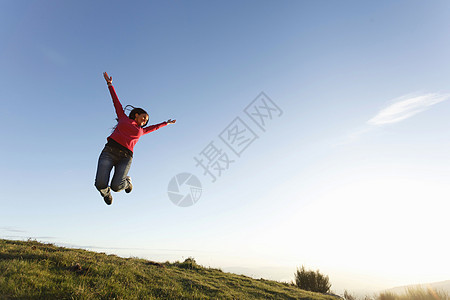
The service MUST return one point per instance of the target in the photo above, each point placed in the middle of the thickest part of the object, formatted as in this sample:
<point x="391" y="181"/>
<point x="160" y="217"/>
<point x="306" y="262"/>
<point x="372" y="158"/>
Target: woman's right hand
<point x="107" y="78"/>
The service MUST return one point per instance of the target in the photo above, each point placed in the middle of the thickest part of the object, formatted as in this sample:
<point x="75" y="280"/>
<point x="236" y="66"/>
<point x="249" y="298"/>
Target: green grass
<point x="33" y="270"/>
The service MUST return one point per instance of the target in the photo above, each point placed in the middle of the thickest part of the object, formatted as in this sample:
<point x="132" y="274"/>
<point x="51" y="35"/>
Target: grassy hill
<point x="33" y="270"/>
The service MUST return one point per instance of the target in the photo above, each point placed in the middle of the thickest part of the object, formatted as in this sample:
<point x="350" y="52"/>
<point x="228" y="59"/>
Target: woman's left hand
<point x="107" y="78"/>
<point x="170" y="121"/>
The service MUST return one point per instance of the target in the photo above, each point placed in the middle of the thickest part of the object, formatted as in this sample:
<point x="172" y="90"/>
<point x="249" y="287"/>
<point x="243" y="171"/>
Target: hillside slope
<point x="34" y="270"/>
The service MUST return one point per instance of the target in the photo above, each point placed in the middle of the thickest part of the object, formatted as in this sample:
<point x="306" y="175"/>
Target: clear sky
<point x="352" y="178"/>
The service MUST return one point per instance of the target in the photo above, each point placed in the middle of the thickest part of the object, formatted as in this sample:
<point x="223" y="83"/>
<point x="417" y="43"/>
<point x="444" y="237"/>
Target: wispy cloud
<point x="12" y="229"/>
<point x="24" y="238"/>
<point x="398" y="110"/>
<point x="405" y="107"/>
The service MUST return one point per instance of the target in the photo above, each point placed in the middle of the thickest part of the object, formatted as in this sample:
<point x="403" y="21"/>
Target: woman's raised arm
<point x="117" y="105"/>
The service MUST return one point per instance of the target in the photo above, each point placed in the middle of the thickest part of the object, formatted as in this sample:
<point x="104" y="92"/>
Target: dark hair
<point x="139" y="111"/>
<point x="132" y="114"/>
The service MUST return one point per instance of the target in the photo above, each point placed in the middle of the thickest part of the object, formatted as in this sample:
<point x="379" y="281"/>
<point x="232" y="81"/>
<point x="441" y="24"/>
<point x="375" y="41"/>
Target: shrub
<point x="348" y="296"/>
<point x="190" y="263"/>
<point x="312" y="281"/>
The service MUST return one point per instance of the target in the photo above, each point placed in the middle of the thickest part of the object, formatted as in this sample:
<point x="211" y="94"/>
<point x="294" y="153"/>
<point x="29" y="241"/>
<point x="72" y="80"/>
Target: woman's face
<point x="141" y="119"/>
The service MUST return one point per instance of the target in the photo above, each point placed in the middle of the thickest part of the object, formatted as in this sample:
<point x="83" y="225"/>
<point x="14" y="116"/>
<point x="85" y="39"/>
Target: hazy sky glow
<point x="352" y="178"/>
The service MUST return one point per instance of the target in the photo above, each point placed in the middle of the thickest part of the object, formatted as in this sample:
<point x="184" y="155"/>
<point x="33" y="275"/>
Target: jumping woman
<point x="118" y="151"/>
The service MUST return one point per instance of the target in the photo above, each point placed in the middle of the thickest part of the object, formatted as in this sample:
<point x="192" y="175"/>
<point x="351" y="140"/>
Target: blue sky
<point x="351" y="179"/>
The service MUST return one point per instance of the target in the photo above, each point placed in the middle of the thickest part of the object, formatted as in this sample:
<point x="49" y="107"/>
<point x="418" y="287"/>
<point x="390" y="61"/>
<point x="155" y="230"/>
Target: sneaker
<point x="108" y="199"/>
<point x="130" y="186"/>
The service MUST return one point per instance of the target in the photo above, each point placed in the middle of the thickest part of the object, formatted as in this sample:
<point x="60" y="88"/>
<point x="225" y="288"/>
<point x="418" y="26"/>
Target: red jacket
<point x="128" y="132"/>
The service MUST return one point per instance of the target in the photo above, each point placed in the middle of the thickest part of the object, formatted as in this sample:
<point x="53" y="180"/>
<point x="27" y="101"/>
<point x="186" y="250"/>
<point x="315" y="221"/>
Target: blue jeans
<point x="109" y="158"/>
